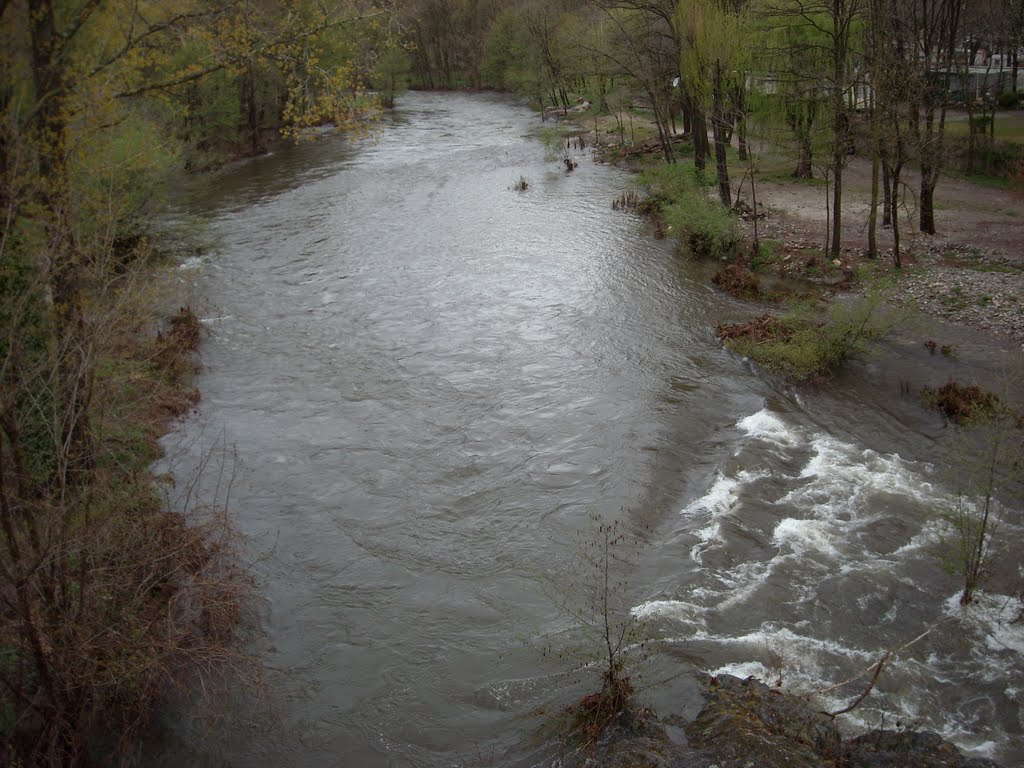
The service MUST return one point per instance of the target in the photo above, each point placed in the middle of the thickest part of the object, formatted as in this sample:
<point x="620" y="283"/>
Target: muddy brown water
<point x="429" y="380"/>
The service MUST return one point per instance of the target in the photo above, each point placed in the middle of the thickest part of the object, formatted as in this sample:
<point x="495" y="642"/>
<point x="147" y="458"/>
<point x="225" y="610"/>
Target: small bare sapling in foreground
<point x="606" y="637"/>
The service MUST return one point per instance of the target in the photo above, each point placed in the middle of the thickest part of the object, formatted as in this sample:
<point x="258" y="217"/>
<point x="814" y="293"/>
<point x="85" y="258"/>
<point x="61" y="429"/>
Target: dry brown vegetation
<point x="962" y="402"/>
<point x="107" y="598"/>
<point x="737" y="280"/>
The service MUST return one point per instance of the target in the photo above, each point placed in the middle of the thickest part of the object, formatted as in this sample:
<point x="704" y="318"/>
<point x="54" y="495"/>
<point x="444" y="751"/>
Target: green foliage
<point x="706" y="228"/>
<point x="1008" y="100"/>
<point x="767" y="257"/>
<point x="677" y="193"/>
<point x="801" y="346"/>
<point x="510" y="59"/>
<point x="391" y="75"/>
<point x="980" y="123"/>
<point x="119" y="174"/>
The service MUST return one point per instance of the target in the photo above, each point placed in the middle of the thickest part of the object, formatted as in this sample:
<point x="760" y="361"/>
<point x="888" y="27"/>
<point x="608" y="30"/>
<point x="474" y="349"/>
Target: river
<point x="429" y="381"/>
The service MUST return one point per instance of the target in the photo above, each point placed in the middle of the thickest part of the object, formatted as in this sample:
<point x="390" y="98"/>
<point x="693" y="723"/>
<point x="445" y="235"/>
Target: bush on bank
<point x="677" y="195"/>
<point x="113" y="599"/>
<point x="801" y="346"/>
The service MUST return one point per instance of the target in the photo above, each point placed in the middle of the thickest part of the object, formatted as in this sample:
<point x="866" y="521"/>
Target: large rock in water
<point x="746" y="724"/>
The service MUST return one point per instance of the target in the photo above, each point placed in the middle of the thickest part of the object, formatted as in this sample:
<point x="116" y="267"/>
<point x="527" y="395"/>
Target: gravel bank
<point x="969" y="286"/>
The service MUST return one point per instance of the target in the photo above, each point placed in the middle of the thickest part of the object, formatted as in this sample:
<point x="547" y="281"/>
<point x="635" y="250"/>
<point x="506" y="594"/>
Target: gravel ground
<point x="969" y="286"/>
<point x="971" y="273"/>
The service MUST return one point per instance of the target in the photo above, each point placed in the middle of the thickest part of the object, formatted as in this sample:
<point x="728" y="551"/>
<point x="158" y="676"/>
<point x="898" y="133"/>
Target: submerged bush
<point x="962" y="402"/>
<point x="736" y="280"/>
<point x="800" y="345"/>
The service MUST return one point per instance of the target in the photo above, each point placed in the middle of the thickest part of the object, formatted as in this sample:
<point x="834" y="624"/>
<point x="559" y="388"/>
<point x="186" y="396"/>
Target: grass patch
<point x="769" y="256"/>
<point x="800" y="345"/>
<point x="1008" y="127"/>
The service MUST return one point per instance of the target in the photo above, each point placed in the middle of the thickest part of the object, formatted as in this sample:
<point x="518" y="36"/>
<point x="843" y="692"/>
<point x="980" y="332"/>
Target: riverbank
<point x="970" y="273"/>
<point x="744" y="722"/>
<point x="134" y="597"/>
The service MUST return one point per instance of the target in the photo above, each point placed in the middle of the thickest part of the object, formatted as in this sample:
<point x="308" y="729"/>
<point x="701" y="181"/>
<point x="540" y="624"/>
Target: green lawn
<point x="1009" y="125"/>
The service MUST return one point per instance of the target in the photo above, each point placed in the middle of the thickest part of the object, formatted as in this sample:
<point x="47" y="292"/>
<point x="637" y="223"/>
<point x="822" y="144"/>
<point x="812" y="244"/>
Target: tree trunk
<point x="886" y="192"/>
<point x="700" y="140"/>
<point x="804" y="169"/>
<point x="927" y="204"/>
<point x="74" y="380"/>
<point x="894" y="215"/>
<point x="873" y="214"/>
<point x="663" y="130"/>
<point x="252" y="115"/>
<point x="718" y="128"/>
<point x="837" y="210"/>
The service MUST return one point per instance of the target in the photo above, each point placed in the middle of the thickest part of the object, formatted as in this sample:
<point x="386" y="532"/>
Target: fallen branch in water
<point x="874" y="677"/>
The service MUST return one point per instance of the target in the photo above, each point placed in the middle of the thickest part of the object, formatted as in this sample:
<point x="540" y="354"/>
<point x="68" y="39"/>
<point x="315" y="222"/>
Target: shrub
<point x="738" y="281"/>
<point x="962" y="402"/>
<point x="1008" y="100"/>
<point x="980" y="123"/>
<point x="677" y="194"/>
<point x="799" y="345"/>
<point x="609" y="636"/>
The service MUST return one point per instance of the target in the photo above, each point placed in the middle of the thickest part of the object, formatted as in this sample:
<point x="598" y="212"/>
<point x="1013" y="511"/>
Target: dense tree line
<point x="105" y="598"/>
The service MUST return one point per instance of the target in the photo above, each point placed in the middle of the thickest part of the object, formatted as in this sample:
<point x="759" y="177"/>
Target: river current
<point x="429" y="382"/>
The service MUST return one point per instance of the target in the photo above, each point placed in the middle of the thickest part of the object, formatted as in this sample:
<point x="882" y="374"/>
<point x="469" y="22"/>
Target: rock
<point x="906" y="749"/>
<point x="744" y="722"/>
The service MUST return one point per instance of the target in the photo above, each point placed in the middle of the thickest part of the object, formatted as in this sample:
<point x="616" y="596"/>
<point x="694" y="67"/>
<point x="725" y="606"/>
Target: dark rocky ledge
<point x="746" y="724"/>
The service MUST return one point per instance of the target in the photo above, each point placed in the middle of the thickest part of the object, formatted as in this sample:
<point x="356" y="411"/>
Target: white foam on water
<point x="765" y="425"/>
<point x="841" y="475"/>
<point x="744" y="669"/>
<point x="718" y="502"/>
<point x="991" y="617"/>
<point x="825" y="519"/>
<point x="191" y="263"/>
<point x="720" y="496"/>
<point x="687" y="613"/>
<point x="806" y="536"/>
<point x="789" y="644"/>
<point x="932" y="533"/>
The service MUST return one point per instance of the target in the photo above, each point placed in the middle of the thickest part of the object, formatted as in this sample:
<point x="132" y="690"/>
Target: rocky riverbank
<point x="746" y="724"/>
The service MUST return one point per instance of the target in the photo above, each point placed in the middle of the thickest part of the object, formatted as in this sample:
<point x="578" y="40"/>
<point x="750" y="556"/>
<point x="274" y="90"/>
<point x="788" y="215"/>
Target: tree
<point x="609" y="632"/>
<point x="825" y="27"/>
<point x="711" y="65"/>
<point x="104" y="597"/>
<point x="644" y="46"/>
<point x="986" y="453"/>
<point x="933" y="29"/>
